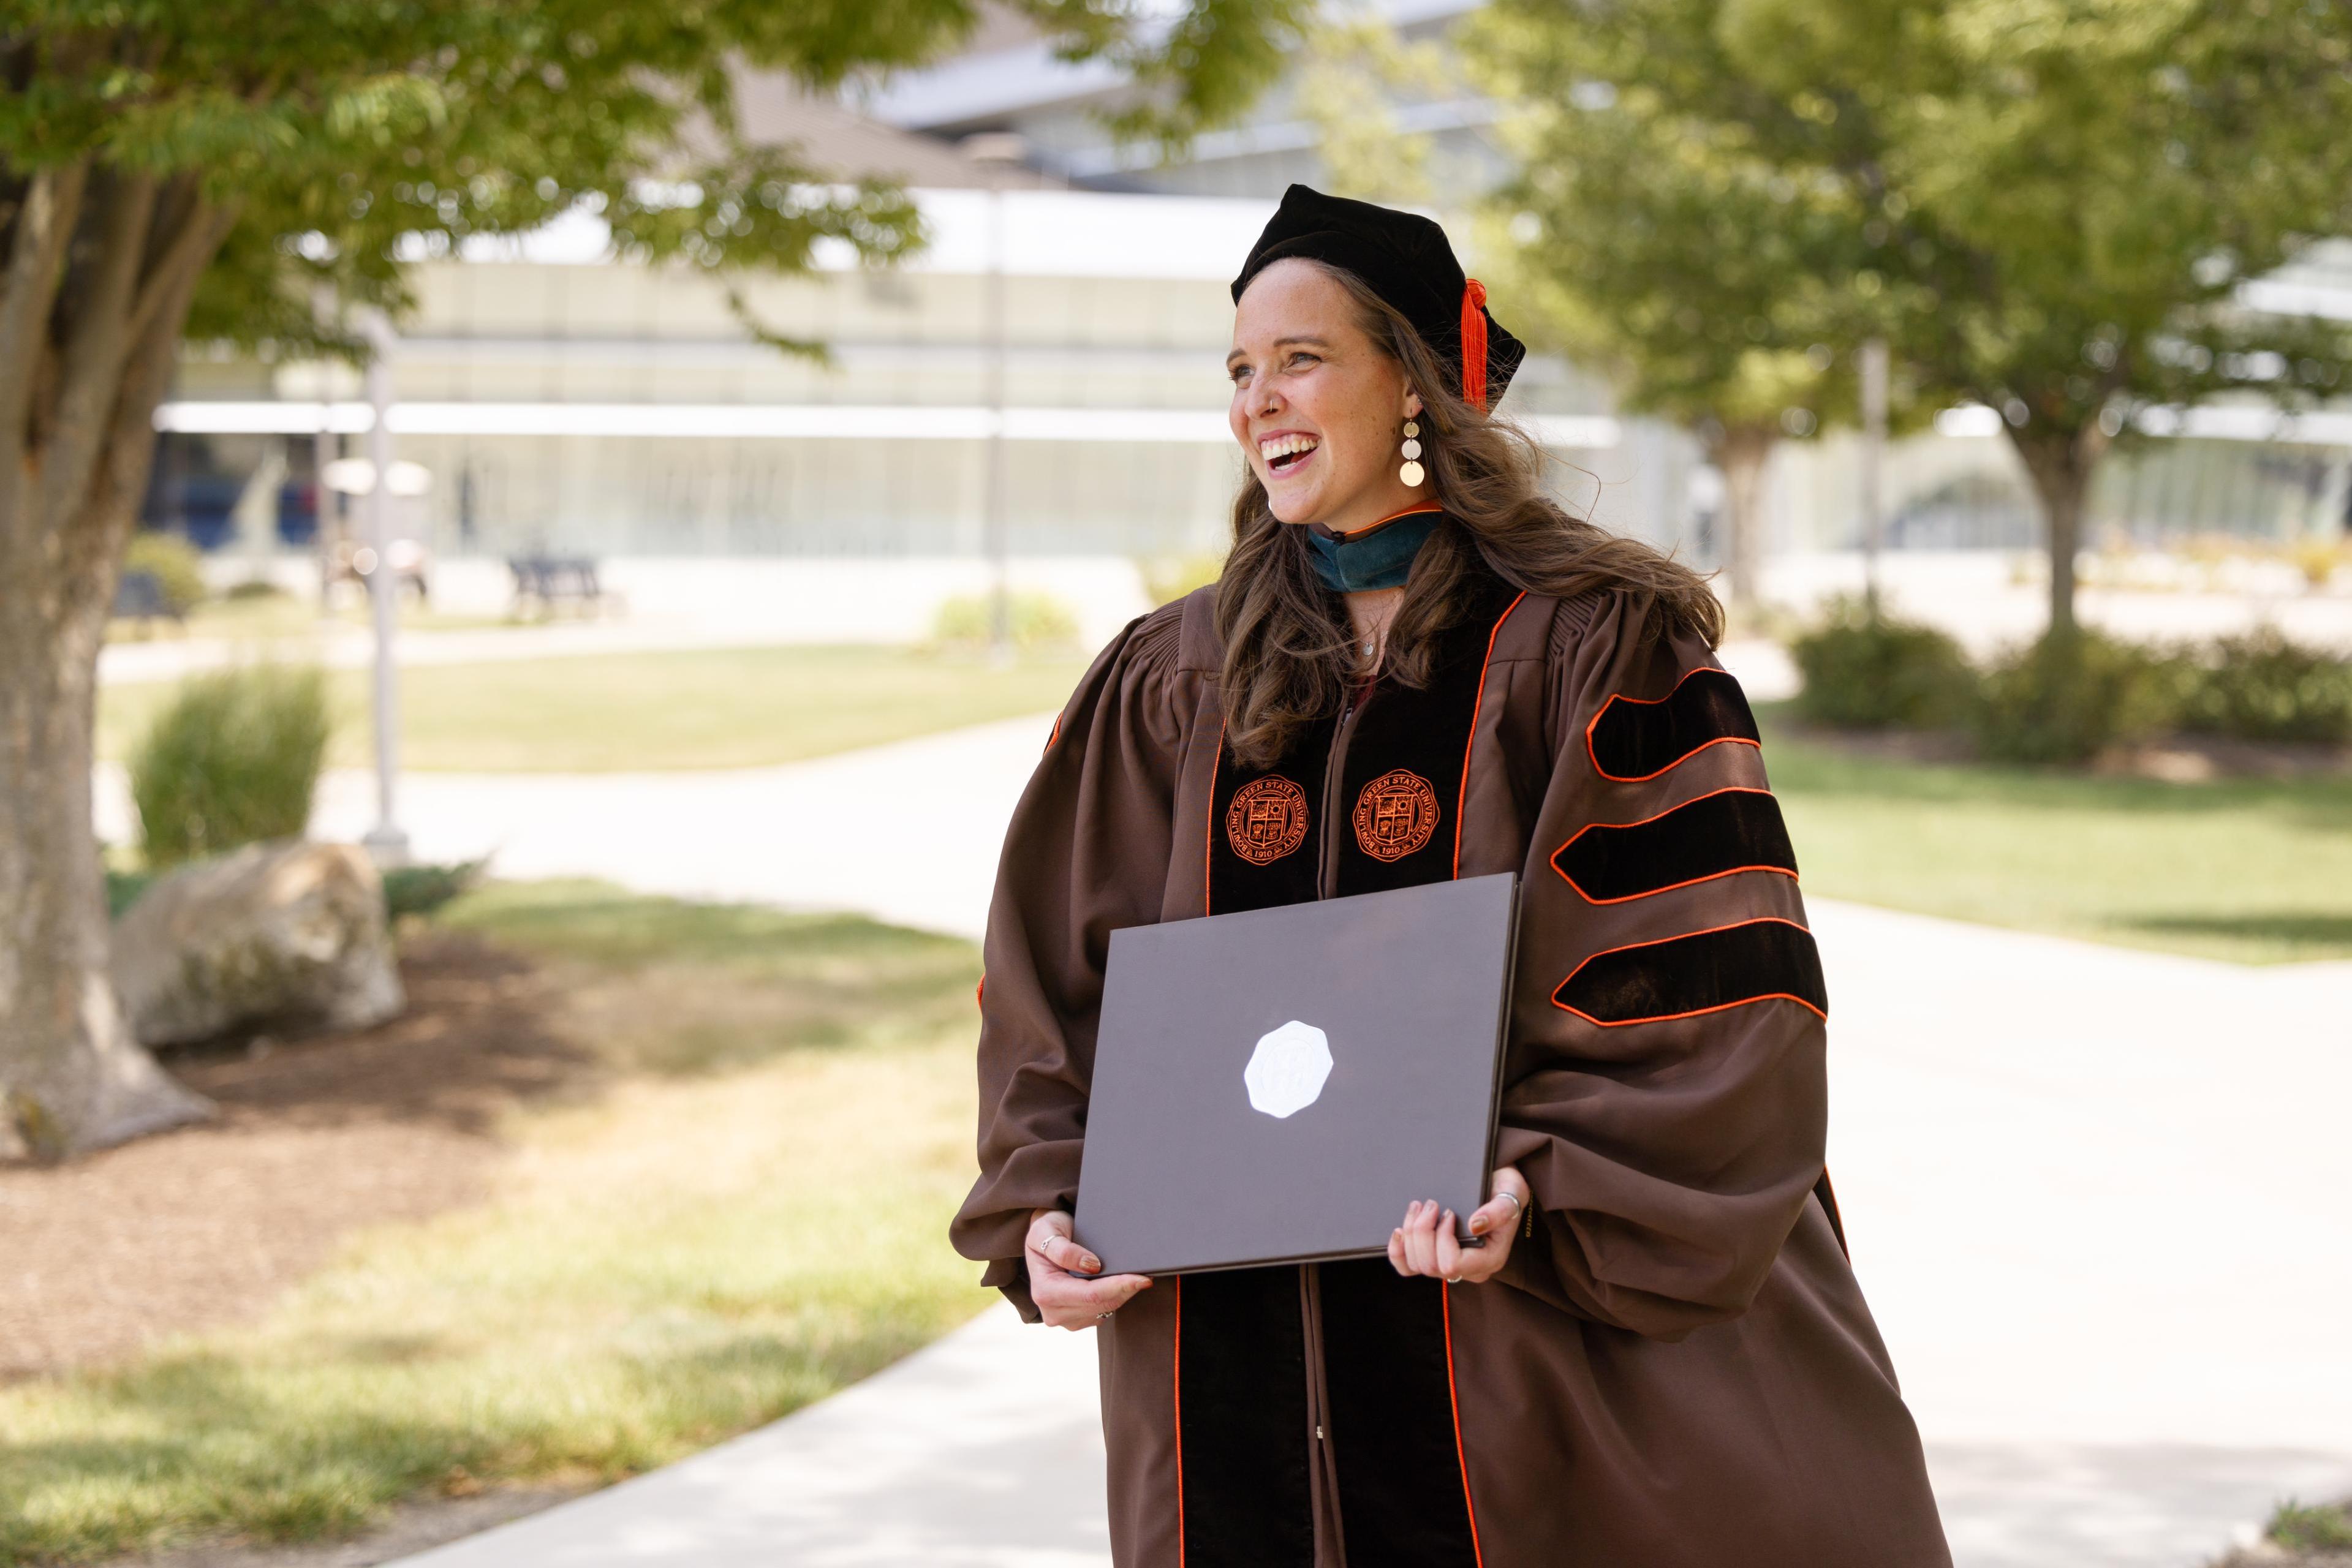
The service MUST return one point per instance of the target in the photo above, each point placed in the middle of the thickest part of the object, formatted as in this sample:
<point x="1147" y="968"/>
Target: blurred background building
<point x="565" y="404"/>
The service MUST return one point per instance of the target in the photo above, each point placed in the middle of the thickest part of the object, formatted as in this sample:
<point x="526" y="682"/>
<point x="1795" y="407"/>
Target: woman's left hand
<point x="1424" y="1243"/>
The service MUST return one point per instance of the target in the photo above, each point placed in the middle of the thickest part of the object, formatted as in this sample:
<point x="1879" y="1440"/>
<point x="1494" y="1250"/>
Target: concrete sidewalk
<point x="2097" y="1199"/>
<point x="981" y="1451"/>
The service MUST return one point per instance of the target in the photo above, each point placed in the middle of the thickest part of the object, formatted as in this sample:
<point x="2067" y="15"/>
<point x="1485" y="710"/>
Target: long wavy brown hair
<point x="1289" y="656"/>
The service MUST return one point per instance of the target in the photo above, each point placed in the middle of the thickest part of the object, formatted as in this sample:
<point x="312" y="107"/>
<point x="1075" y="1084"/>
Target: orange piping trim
<point x="1176" y="1362"/>
<point x="1445" y="1295"/>
<point x="1057" y="734"/>
<point x="1412" y="511"/>
<point x="1209" y="832"/>
<point x="1695" y="1012"/>
<point x="1461" y="792"/>
<point x="1616" y="697"/>
<point x="1691" y="882"/>
<point x="980" y="993"/>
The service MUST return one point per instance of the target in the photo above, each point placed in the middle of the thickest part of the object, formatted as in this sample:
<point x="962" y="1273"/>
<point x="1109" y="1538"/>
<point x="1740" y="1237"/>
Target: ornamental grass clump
<point x="1863" y="670"/>
<point x="233" y="758"/>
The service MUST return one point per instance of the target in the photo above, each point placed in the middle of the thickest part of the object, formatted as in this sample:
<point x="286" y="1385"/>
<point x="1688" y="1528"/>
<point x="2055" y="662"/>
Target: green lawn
<point x="702" y="709"/>
<point x="2255" y="871"/>
<point x="748" y="1214"/>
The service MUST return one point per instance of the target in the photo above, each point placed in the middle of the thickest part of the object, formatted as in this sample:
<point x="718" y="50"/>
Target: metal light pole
<point x="322" y="452"/>
<point x="1873" y="452"/>
<point x="996" y="151"/>
<point x="385" y="842"/>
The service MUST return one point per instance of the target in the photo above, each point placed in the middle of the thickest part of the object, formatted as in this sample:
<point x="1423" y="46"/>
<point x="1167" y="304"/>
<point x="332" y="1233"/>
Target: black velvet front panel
<point x="1242" y="1376"/>
<point x="1242" y="1428"/>
<point x="1402" y="1504"/>
<point x="1715" y="835"/>
<point x="1400" y="784"/>
<point x="1703" y="972"/>
<point x="1635" y="739"/>
<point x="1254" y="863"/>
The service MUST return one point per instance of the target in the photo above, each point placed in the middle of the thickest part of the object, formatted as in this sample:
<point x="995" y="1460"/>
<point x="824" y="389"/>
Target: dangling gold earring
<point x="1411" y="473"/>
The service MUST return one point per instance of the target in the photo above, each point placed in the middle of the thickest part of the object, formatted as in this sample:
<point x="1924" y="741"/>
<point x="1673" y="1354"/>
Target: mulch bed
<point x="316" y="1138"/>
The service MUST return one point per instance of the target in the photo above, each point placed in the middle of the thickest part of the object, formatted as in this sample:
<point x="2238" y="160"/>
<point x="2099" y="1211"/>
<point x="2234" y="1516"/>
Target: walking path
<point x="2096" y="1198"/>
<point x="346" y="646"/>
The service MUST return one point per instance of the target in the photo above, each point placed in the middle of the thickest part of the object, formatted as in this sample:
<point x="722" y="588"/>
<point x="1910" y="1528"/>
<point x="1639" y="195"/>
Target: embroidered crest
<point x="1268" y="820"/>
<point x="1395" y="815"/>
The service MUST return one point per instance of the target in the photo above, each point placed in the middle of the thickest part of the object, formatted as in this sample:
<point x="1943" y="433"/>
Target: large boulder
<point x="284" y="934"/>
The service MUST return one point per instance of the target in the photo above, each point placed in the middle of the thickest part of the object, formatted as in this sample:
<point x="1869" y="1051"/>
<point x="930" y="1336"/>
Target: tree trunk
<point x="72" y="1077"/>
<point x="1740" y="453"/>
<point x="2061" y="463"/>
<point x="88" y="335"/>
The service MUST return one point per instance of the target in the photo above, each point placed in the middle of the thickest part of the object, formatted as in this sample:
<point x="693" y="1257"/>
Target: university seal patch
<point x="1268" y="820"/>
<point x="1395" y="814"/>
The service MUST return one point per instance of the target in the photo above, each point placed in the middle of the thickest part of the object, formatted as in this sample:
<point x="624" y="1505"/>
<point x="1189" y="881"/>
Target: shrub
<point x="233" y="757"/>
<point x="254" y="588"/>
<point x="422" y="889"/>
<point x="2264" y="687"/>
<point x="2065" y="699"/>
<point x="173" y="563"/>
<point x="1039" y="621"/>
<point x="1168" y="577"/>
<point x="1872" y="671"/>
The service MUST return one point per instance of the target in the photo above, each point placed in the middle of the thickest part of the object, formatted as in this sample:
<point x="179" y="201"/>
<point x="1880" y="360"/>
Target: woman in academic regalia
<point x="1417" y="667"/>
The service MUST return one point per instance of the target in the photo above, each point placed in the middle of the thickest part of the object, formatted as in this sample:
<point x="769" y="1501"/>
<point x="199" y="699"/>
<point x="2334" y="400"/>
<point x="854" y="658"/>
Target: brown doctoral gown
<point x="1675" y="1369"/>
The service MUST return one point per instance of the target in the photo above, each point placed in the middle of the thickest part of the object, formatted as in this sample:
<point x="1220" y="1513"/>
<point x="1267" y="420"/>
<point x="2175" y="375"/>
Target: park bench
<point x="546" y="581"/>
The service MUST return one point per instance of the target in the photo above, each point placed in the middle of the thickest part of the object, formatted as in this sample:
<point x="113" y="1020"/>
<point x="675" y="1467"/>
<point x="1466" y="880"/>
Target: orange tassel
<point x="1474" y="343"/>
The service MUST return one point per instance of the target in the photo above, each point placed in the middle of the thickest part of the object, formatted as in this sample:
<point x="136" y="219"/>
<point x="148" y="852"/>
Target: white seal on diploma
<point x="1286" y="1071"/>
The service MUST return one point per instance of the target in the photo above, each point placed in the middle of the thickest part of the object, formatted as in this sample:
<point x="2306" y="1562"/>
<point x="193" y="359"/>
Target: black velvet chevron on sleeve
<point x="1718" y="834"/>
<point x="1700" y="972"/>
<point x="1632" y="738"/>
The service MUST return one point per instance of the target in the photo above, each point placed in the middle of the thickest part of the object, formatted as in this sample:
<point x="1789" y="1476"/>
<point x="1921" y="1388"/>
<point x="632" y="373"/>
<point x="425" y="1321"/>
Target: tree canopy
<point x="171" y="167"/>
<point x="2046" y="205"/>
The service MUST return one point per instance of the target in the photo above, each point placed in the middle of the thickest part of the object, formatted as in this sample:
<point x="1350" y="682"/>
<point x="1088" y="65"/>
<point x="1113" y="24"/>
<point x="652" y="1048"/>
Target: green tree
<point x="2055" y="200"/>
<point x="172" y="169"/>
<point x="1353" y="74"/>
<point x="1665" y="242"/>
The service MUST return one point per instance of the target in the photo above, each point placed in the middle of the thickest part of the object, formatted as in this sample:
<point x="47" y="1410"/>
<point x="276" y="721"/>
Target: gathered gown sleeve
<point x="1665" y="1090"/>
<point x="1087" y="852"/>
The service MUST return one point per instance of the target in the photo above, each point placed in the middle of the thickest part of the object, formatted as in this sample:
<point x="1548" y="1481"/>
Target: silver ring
<point x="1102" y="1317"/>
<point x="1517" y="1207"/>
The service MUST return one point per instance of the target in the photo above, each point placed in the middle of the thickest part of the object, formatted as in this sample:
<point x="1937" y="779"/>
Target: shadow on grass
<point x="476" y="1040"/>
<point x="606" y="924"/>
<point x="677" y="988"/>
<point x="2324" y="934"/>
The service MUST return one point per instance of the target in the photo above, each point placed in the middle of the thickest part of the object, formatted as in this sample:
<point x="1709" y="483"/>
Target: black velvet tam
<point x="1407" y="261"/>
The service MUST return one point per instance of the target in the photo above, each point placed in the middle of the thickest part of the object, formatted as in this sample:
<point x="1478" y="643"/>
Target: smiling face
<point x="1317" y="404"/>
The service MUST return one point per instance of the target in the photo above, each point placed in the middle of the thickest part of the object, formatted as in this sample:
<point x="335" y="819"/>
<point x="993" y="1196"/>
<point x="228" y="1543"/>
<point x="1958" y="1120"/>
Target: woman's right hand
<point x="1066" y="1280"/>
